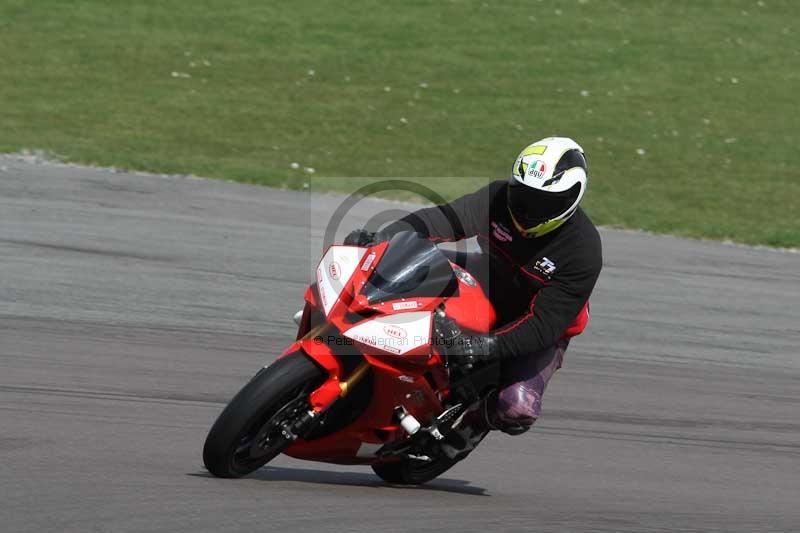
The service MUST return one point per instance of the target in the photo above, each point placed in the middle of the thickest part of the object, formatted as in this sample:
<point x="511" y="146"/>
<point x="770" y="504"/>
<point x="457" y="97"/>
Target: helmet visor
<point x="531" y="207"/>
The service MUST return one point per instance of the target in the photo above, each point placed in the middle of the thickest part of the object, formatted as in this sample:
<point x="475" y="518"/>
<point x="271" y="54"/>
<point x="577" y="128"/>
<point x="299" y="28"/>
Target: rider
<point x="541" y="258"/>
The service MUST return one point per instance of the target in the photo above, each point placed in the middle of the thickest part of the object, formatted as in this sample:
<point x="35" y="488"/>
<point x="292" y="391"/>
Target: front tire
<point x="247" y="434"/>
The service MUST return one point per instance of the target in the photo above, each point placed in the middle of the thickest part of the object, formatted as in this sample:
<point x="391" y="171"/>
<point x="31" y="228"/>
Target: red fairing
<point x="413" y="378"/>
<point x="471" y="309"/>
<point x="376" y="426"/>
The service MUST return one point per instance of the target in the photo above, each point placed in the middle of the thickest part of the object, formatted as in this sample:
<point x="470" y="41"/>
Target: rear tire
<point x="413" y="471"/>
<point x="245" y="436"/>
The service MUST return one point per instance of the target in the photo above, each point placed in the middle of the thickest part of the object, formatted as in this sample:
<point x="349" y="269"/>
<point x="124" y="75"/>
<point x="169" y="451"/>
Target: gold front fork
<point x="315" y="331"/>
<point x="354" y="377"/>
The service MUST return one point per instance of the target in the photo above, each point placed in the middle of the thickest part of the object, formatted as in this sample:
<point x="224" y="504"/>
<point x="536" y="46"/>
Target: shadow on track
<point x="327" y="477"/>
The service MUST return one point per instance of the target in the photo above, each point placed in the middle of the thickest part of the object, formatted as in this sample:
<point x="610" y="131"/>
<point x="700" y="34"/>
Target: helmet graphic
<point x="546" y="185"/>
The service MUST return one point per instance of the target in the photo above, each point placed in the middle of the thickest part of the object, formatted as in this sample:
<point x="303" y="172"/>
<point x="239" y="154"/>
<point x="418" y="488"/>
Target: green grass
<point x="707" y="88"/>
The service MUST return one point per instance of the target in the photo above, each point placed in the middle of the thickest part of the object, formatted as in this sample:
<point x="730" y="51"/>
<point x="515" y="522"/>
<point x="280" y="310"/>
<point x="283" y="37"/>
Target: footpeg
<point x="447" y="415"/>
<point x="412" y="426"/>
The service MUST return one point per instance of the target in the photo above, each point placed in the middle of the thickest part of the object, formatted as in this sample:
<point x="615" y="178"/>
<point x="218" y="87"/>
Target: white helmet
<point x="547" y="183"/>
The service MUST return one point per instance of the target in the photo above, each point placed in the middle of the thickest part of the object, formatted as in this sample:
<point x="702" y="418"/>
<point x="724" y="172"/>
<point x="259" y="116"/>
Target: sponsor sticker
<point x="392" y="333"/>
<point x="368" y="262"/>
<point x="545" y="266"/>
<point x="395" y="331"/>
<point x="398" y="306"/>
<point x="377" y="342"/>
<point x="334" y="270"/>
<point x="537" y="169"/>
<point x="501" y="233"/>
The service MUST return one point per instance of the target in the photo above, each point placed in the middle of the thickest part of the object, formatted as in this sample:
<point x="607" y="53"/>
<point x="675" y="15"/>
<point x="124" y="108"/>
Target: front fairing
<point x="411" y="267"/>
<point x="382" y="296"/>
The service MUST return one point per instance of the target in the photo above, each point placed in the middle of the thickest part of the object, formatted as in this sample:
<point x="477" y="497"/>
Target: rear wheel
<point x="248" y="433"/>
<point x="413" y="471"/>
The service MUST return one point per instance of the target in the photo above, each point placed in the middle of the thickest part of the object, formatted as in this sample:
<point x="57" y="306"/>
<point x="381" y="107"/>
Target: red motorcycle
<point x="366" y="381"/>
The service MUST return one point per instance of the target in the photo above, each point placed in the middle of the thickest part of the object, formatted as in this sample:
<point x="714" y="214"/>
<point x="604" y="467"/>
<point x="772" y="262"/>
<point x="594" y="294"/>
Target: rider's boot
<point x="467" y="431"/>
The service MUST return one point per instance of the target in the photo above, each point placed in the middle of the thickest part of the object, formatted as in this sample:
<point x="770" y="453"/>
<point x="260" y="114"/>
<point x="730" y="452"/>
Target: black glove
<point x="463" y="350"/>
<point x="362" y="237"/>
<point x="469" y="350"/>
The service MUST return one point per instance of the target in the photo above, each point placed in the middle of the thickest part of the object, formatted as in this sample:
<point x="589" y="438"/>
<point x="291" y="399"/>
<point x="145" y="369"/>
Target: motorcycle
<point x="366" y="381"/>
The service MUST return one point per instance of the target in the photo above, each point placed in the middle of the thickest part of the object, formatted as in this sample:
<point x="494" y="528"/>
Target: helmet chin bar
<point x="540" y="229"/>
<point x="547" y="226"/>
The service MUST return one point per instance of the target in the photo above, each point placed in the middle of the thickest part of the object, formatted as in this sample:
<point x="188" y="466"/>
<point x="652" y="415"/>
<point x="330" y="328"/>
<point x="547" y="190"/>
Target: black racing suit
<point x="538" y="287"/>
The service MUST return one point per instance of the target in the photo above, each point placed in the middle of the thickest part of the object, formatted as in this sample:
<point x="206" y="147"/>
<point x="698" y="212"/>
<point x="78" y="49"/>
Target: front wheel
<point x="248" y="433"/>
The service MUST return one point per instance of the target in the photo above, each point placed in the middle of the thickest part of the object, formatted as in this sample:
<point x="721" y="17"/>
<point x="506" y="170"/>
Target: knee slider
<point x="516" y="429"/>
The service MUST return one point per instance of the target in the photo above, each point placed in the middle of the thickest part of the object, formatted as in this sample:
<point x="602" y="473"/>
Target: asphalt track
<point x="133" y="307"/>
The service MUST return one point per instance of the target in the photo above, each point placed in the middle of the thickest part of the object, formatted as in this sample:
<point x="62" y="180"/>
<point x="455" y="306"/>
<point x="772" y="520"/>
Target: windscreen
<point x="411" y="266"/>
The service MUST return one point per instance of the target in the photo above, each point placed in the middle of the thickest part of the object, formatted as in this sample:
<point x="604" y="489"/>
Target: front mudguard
<point x="322" y="355"/>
